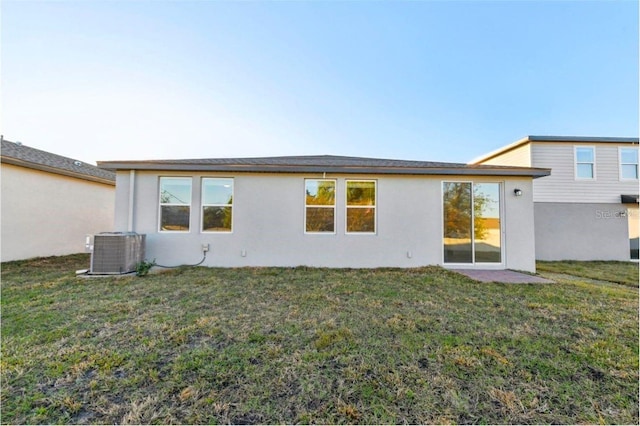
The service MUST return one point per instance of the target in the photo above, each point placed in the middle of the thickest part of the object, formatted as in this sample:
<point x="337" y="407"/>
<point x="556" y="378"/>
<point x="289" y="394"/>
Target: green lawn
<point x="625" y="273"/>
<point x="282" y="345"/>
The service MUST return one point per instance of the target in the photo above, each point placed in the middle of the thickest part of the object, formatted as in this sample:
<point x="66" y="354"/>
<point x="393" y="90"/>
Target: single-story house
<point x="588" y="208"/>
<point x="50" y="202"/>
<point x="328" y="211"/>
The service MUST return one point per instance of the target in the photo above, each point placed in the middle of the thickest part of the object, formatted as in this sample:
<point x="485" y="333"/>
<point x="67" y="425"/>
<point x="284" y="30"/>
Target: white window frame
<point x="620" y="163"/>
<point x="575" y="162"/>
<point x="161" y="204"/>
<point x="324" y="206"/>
<point x="203" y="204"/>
<point x="347" y="207"/>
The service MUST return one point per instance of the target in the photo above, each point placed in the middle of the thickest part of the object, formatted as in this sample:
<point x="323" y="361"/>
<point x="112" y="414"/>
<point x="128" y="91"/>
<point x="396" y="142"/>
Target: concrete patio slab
<point x="502" y="276"/>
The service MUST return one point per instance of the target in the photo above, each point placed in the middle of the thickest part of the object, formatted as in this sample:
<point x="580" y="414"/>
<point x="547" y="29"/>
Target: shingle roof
<point x="323" y="164"/>
<point x="21" y="155"/>
<point x="303" y="160"/>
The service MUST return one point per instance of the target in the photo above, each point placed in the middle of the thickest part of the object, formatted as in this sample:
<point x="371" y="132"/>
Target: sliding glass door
<point x="472" y="222"/>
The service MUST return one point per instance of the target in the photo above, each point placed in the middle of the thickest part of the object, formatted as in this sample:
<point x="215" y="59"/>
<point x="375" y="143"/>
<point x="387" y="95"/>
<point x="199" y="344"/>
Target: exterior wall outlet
<point x="88" y="244"/>
<point x="205" y="247"/>
<point x="243" y="253"/>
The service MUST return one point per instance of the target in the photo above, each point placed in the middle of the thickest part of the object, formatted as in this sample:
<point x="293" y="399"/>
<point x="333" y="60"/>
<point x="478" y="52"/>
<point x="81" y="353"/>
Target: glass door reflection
<point x="472" y="222"/>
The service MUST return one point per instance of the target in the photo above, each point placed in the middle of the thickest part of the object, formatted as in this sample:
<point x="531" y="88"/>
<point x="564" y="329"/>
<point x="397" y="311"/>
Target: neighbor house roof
<point x="24" y="156"/>
<point x="553" y="139"/>
<point x="323" y="164"/>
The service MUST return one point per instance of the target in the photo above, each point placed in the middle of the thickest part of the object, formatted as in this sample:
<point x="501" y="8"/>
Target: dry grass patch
<point x="304" y="345"/>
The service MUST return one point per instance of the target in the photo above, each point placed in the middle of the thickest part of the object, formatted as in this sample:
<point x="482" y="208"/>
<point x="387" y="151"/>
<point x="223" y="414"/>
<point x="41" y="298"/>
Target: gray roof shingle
<point x="25" y="156"/>
<point x="323" y="164"/>
<point x="303" y="160"/>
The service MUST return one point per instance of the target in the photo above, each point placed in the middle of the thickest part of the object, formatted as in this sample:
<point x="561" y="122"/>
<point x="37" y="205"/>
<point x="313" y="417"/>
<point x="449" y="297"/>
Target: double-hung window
<point x="175" y="204"/>
<point x="320" y="205"/>
<point x="585" y="162"/>
<point x="361" y="206"/>
<point x="217" y="204"/>
<point x="629" y="163"/>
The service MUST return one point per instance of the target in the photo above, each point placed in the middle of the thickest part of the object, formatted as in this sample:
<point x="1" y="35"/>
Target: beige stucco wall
<point x="45" y="214"/>
<point x="268" y="223"/>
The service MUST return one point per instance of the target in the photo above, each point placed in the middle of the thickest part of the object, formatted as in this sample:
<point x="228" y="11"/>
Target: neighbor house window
<point x="361" y="206"/>
<point x="629" y="163"/>
<point x="585" y="162"/>
<point x="320" y="205"/>
<point x="217" y="204"/>
<point x="175" y="203"/>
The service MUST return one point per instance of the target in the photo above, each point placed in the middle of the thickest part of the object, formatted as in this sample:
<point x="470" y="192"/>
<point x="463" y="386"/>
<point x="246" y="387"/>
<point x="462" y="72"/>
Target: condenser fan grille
<point x="116" y="253"/>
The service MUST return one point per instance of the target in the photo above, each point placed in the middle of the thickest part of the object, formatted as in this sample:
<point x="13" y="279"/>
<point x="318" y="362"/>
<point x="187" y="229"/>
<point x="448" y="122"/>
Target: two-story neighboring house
<point x="588" y="208"/>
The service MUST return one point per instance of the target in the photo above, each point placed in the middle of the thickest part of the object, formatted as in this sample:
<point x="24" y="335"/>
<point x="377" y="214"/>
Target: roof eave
<point x="55" y="170"/>
<point x="591" y="139"/>
<point x="238" y="168"/>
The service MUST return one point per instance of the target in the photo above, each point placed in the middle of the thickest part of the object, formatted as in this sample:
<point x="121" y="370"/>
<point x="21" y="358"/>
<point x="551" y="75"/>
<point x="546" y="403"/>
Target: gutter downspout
<point x="132" y="182"/>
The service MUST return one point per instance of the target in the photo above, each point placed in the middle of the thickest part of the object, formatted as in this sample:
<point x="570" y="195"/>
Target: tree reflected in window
<point x="320" y="201"/>
<point x="471" y="222"/>
<point x="175" y="203"/>
<point x="361" y="206"/>
<point x="457" y="222"/>
<point x="217" y="204"/>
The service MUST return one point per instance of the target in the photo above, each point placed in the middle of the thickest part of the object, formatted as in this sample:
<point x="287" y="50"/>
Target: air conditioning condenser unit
<point x="116" y="252"/>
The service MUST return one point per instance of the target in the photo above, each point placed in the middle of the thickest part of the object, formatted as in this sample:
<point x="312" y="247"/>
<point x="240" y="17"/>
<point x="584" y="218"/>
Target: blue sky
<point x="423" y="80"/>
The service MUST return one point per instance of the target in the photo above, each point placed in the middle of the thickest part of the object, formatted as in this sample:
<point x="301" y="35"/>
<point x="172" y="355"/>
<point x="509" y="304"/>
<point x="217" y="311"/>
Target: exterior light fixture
<point x="517" y="192"/>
